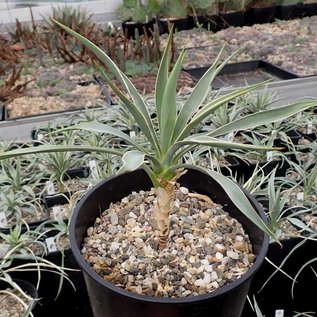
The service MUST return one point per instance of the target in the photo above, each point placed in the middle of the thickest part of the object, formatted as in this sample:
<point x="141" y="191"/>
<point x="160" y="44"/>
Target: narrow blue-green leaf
<point x="311" y="181"/>
<point x="199" y="94"/>
<point x="169" y="105"/>
<point x="107" y="129"/>
<point x="211" y="141"/>
<point x="263" y="117"/>
<point x="210" y="107"/>
<point x="58" y="148"/>
<point x="307" y="263"/>
<point x="144" y="124"/>
<point x="204" y="140"/>
<point x="155" y="181"/>
<point x="239" y="199"/>
<point x="162" y="77"/>
<point x="132" y="160"/>
<point x="300" y="224"/>
<point x="103" y="57"/>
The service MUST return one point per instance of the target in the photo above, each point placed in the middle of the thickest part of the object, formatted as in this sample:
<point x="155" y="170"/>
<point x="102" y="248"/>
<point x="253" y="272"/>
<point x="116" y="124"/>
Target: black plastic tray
<point x="239" y="74"/>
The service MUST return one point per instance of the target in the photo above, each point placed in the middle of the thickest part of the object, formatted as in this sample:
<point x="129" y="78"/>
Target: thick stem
<point x="163" y="207"/>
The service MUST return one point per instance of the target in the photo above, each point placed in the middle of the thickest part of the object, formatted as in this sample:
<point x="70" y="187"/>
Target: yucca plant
<point x="278" y="192"/>
<point x="23" y="244"/>
<point x="304" y="178"/>
<point x="15" y="206"/>
<point x="162" y="157"/>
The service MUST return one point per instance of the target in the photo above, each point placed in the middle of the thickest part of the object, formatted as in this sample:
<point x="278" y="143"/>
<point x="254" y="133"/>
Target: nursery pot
<point x="276" y="294"/>
<point x="131" y="29"/>
<point x="26" y="286"/>
<point x="108" y="300"/>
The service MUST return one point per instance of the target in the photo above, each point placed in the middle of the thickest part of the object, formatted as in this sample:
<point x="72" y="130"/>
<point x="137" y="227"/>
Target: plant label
<point x="230" y="137"/>
<point x="269" y="156"/>
<point x="3" y="220"/>
<point x="51" y="245"/>
<point x="279" y="313"/>
<point x="40" y="136"/>
<point x="50" y="190"/>
<point x="4" y="248"/>
<point x="300" y="196"/>
<point x="309" y="128"/>
<point x="93" y="169"/>
<point x="56" y="212"/>
<point x="132" y="134"/>
<point x="298" y="115"/>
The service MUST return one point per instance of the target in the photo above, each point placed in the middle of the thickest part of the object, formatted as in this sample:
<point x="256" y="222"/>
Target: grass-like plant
<point x="170" y="133"/>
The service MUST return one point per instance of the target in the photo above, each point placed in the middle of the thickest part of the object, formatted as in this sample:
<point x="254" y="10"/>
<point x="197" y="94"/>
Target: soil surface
<point x="123" y="246"/>
<point x="291" y="45"/>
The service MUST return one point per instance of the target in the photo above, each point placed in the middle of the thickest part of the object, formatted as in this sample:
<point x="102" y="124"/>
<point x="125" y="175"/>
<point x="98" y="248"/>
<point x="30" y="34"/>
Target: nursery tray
<point x="242" y="73"/>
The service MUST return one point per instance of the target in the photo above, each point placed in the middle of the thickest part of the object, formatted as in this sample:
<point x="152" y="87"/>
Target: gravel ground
<point x="291" y="45"/>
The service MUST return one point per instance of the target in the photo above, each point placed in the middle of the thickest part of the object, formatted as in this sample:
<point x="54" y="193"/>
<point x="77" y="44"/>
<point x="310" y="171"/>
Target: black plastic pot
<point x="74" y="173"/>
<point x="208" y="22"/>
<point x="132" y="29"/>
<point x="71" y="302"/>
<point x="310" y="9"/>
<point x="108" y="300"/>
<point x="63" y="198"/>
<point x="26" y="286"/>
<point x="246" y="169"/>
<point x="56" y="199"/>
<point x="261" y="15"/>
<point x="310" y="136"/>
<point x="293" y="11"/>
<point x="232" y="168"/>
<point x="30" y="225"/>
<point x="294" y="136"/>
<point x="179" y="24"/>
<point x="235" y="19"/>
<point x="277" y="293"/>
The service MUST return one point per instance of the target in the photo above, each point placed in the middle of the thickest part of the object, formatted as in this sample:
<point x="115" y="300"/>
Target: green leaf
<point x="205" y="140"/>
<point x="123" y="79"/>
<point x="199" y="94"/>
<point x="263" y="117"/>
<point x="161" y="79"/>
<point x="214" y="105"/>
<point x="239" y="199"/>
<point x="104" y="128"/>
<point x="132" y="160"/>
<point x="134" y="109"/>
<point x="57" y="148"/>
<point x="311" y="181"/>
<point x="169" y="106"/>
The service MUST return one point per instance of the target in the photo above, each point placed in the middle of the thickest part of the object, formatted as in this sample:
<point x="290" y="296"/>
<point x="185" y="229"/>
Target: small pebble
<point x="203" y="247"/>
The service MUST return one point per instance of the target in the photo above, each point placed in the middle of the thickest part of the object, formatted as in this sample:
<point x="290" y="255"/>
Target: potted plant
<point x="157" y="163"/>
<point x="204" y="14"/>
<point x="18" y="297"/>
<point x="232" y="13"/>
<point x="172" y="12"/>
<point x="136" y="16"/>
<point x="262" y="11"/>
<point x="282" y="282"/>
<point x="23" y="265"/>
